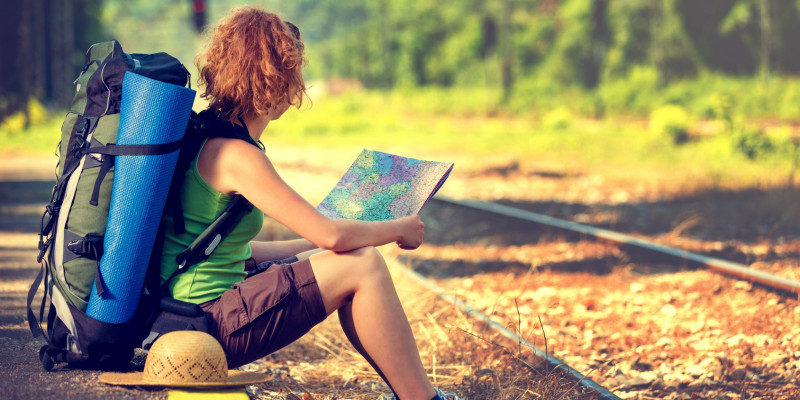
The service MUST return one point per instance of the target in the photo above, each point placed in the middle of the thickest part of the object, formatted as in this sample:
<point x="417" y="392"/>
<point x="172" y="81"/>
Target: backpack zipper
<point x="108" y="89"/>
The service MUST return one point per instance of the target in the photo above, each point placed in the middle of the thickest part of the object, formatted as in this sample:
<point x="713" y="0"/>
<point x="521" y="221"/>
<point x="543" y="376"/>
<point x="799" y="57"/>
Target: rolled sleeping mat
<point x="152" y="112"/>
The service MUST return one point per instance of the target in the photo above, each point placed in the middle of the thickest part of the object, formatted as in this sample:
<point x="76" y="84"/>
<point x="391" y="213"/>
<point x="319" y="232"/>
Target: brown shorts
<point x="266" y="311"/>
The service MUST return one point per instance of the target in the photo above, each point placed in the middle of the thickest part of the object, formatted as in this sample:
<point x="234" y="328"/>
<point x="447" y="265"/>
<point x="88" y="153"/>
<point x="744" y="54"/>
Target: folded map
<point x="381" y="186"/>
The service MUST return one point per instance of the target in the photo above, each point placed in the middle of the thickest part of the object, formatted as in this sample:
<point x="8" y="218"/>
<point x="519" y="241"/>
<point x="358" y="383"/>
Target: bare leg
<point x="346" y="320"/>
<point x="360" y="281"/>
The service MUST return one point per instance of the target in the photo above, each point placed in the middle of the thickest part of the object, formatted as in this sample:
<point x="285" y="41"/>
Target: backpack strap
<point x="33" y="322"/>
<point x="134" y="149"/>
<point x="203" y="126"/>
<point x="124" y="150"/>
<point x="205" y="243"/>
<point x="210" y="238"/>
<point x="189" y="150"/>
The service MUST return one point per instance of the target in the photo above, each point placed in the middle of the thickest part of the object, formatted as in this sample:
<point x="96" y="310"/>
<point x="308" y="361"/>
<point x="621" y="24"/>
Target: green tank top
<point x="209" y="279"/>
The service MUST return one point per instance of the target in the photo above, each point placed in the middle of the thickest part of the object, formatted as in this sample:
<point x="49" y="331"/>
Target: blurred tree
<point x="506" y="55"/>
<point x="765" y="22"/>
<point x="533" y="30"/>
<point x="767" y="30"/>
<point x="709" y="25"/>
<point x="501" y="44"/>
<point x="44" y="41"/>
<point x="674" y="54"/>
<point x="574" y="58"/>
<point x="742" y="22"/>
<point x="631" y="36"/>
<point x="14" y="87"/>
<point x="149" y="26"/>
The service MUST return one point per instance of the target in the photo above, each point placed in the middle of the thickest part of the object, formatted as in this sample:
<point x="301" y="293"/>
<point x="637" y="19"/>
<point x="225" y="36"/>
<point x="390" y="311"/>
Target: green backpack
<point x="74" y="222"/>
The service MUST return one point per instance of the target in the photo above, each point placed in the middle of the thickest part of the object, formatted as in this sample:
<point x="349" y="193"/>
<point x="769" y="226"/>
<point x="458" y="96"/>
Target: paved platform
<point x="25" y="186"/>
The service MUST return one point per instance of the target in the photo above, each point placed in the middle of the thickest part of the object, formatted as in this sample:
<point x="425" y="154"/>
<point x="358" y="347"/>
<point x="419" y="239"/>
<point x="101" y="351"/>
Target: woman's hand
<point x="412" y="232"/>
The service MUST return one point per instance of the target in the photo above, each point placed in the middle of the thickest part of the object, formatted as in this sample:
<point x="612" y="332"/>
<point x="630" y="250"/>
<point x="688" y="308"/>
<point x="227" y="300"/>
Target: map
<point x="381" y="186"/>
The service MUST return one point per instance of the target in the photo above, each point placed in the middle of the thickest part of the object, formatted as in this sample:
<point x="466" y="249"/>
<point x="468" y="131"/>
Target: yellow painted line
<point x="224" y="394"/>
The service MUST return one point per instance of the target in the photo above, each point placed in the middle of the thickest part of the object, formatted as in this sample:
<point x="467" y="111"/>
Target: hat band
<point x="170" y="371"/>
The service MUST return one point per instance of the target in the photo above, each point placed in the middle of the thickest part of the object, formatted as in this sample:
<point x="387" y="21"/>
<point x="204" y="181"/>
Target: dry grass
<point x="460" y="355"/>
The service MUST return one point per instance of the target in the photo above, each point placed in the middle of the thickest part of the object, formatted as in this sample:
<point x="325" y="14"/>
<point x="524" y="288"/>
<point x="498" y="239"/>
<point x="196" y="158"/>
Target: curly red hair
<point x="251" y="64"/>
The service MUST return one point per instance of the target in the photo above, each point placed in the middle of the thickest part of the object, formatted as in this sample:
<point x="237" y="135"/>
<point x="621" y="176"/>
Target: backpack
<point x="73" y="224"/>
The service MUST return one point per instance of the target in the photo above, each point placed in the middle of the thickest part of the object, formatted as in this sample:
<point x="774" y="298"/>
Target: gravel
<point x="643" y="327"/>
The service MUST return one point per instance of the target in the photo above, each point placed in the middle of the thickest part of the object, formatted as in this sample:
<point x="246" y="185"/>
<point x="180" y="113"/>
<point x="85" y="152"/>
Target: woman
<point x="251" y="72"/>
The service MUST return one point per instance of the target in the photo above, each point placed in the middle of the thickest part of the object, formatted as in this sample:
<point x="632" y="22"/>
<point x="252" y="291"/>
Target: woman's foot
<point x="440" y="395"/>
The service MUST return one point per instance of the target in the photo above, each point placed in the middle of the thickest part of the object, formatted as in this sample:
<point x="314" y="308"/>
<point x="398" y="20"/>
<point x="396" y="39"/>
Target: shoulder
<point x="231" y="154"/>
<point x="224" y="161"/>
<point x="231" y="146"/>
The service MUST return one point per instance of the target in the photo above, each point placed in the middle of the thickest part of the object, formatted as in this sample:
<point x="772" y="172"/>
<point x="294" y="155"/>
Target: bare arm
<point x="233" y="166"/>
<point x="278" y="250"/>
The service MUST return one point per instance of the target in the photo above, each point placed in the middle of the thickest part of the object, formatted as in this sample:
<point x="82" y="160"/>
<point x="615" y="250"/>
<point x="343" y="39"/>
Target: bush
<point x="782" y="142"/>
<point x="557" y="119"/>
<point x="672" y="121"/>
<point x="752" y="143"/>
<point x="720" y="107"/>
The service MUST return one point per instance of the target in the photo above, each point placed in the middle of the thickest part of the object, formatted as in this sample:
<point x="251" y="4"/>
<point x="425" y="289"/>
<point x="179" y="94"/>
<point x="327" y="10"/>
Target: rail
<point x="552" y="362"/>
<point x="731" y="268"/>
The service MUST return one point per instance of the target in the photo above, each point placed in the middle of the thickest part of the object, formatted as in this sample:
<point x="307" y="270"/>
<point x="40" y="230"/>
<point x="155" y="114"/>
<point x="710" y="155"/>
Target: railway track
<point x="727" y="267"/>
<point x="648" y="369"/>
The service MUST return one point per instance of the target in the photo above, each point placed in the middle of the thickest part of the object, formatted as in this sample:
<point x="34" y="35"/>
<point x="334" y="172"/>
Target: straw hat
<point x="185" y="359"/>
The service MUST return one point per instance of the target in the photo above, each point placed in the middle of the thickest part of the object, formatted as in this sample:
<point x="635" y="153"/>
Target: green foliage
<point x="783" y="142"/>
<point x="573" y="42"/>
<point x="38" y="138"/>
<point x="739" y="17"/>
<point x="720" y="107"/>
<point x="17" y="122"/>
<point x="672" y="121"/>
<point x="432" y="121"/>
<point x="537" y="32"/>
<point x="635" y="93"/>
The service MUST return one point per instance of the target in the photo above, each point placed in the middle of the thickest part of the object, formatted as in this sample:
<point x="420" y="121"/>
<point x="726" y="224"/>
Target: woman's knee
<point x="369" y="253"/>
<point x="370" y="263"/>
<point x="341" y="275"/>
<point x="347" y="270"/>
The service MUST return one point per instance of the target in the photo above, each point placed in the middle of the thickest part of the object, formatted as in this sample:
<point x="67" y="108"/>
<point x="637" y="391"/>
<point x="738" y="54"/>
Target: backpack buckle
<point x="90" y="246"/>
<point x="43" y="246"/>
<point x="52" y="209"/>
<point x="83" y="128"/>
<point x="87" y="126"/>
<point x="49" y="218"/>
<point x="77" y="149"/>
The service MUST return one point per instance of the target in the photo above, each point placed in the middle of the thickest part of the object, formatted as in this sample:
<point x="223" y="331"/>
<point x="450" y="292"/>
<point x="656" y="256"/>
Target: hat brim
<point x="235" y="378"/>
